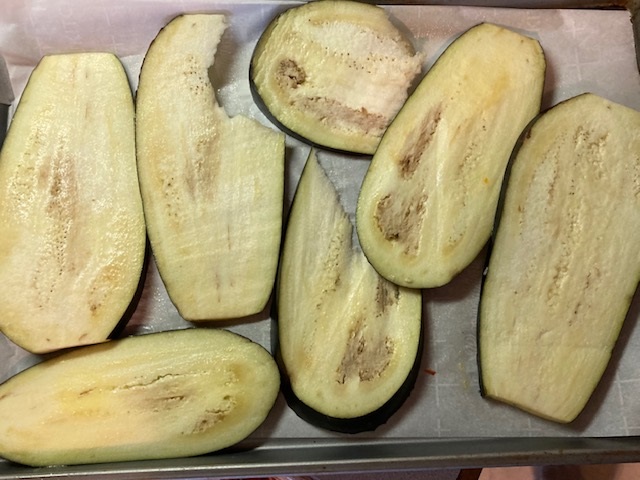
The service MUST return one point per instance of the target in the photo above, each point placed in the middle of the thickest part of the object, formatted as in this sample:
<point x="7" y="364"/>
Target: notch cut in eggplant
<point x="349" y="341"/>
<point x="428" y="201"/>
<point x="333" y="73"/>
<point x="566" y="258"/>
<point x="73" y="234"/>
<point x="212" y="186"/>
<point x="160" y="395"/>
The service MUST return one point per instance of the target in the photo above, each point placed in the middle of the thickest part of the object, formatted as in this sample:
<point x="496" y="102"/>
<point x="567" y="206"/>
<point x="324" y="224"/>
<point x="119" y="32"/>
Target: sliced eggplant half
<point x="73" y="234"/>
<point x="566" y="258"/>
<point x="428" y="200"/>
<point x="212" y="186"/>
<point x="349" y="340"/>
<point x="334" y="73"/>
<point x="161" y="395"/>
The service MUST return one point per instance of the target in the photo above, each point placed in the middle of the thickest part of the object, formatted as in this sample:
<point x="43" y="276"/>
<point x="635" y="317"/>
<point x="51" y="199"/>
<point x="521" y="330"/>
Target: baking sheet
<point x="586" y="50"/>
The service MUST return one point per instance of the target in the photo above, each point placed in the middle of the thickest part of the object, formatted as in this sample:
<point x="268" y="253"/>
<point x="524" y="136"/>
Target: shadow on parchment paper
<point x="290" y="187"/>
<point x="463" y="285"/>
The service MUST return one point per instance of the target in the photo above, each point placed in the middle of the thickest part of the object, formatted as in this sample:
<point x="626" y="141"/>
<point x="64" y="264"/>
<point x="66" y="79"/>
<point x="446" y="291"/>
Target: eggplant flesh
<point x="347" y="338"/>
<point x="334" y="73"/>
<point x="428" y="201"/>
<point x="161" y="395"/>
<point x="566" y="258"/>
<point x="73" y="237"/>
<point x="212" y="186"/>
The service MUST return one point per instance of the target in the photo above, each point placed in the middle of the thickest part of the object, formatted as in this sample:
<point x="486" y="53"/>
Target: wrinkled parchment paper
<point x="585" y="50"/>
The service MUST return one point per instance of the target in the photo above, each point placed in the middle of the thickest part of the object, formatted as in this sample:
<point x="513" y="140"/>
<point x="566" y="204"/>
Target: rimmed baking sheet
<point x="586" y="50"/>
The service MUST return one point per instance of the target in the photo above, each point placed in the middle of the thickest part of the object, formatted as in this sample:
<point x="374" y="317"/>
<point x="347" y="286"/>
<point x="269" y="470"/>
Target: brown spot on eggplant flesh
<point x="400" y="221"/>
<point x="417" y="142"/>
<point x="290" y="74"/>
<point x="213" y="416"/>
<point x="366" y="357"/>
<point x="387" y="295"/>
<point x="364" y="423"/>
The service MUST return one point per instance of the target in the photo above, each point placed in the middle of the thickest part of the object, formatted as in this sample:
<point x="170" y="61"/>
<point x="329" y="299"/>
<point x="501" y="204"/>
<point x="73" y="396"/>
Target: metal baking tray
<point x="445" y="423"/>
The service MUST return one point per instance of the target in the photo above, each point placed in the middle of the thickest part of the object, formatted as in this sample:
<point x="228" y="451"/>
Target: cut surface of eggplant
<point x="566" y="258"/>
<point x="428" y="201"/>
<point x="347" y="338"/>
<point x="212" y="186"/>
<point x="73" y="234"/>
<point x="334" y="73"/>
<point x="161" y="395"/>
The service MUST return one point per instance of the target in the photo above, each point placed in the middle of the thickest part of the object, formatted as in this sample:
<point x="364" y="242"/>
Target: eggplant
<point x="349" y="341"/>
<point x="212" y="186"/>
<point x="566" y="258"/>
<point x="161" y="395"/>
<point x="73" y="234"/>
<point x="333" y="73"/>
<point x="428" y="200"/>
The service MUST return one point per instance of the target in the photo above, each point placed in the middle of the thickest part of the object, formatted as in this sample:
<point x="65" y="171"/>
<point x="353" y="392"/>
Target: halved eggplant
<point x="161" y="395"/>
<point x="73" y="234"/>
<point x="212" y="186"/>
<point x="348" y="339"/>
<point x="566" y="258"/>
<point x="333" y="73"/>
<point x="428" y="200"/>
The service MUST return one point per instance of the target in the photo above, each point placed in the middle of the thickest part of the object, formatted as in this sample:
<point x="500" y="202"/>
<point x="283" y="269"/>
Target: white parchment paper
<point x="585" y="50"/>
